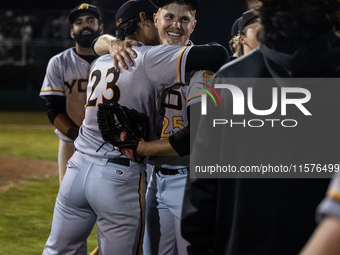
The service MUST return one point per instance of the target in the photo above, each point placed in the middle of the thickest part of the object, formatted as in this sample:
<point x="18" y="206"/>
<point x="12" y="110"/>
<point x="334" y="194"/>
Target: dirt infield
<point x="14" y="171"/>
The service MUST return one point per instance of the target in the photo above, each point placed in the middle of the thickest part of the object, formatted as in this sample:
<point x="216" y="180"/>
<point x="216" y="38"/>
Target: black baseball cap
<point x="195" y="3"/>
<point x="234" y="28"/>
<point x="246" y="18"/>
<point x="83" y="8"/>
<point x="132" y="8"/>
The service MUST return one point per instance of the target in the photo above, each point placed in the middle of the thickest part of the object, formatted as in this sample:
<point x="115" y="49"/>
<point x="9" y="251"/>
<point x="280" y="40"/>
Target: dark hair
<point x="284" y="20"/>
<point x="130" y="27"/>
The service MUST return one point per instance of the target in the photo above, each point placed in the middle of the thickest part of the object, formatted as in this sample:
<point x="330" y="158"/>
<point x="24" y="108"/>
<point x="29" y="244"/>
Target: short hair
<point x="283" y="20"/>
<point x="183" y="2"/>
<point x="130" y="27"/>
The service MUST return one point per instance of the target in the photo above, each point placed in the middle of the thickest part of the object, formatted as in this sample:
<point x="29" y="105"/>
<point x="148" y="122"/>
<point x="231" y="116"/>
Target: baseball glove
<point x="123" y="128"/>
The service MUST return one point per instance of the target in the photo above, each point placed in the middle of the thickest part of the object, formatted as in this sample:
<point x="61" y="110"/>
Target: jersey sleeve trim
<point x="333" y="194"/>
<point x="54" y="90"/>
<point x="179" y="66"/>
<point x="194" y="96"/>
<point x="328" y="207"/>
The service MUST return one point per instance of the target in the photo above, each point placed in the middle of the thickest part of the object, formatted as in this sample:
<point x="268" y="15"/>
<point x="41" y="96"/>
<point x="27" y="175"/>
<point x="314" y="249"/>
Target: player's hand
<point x="121" y="52"/>
<point x="139" y="148"/>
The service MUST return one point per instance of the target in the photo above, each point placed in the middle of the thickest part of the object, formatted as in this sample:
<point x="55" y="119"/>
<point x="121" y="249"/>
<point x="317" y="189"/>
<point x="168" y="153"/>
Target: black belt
<point x="120" y="161"/>
<point x="167" y="171"/>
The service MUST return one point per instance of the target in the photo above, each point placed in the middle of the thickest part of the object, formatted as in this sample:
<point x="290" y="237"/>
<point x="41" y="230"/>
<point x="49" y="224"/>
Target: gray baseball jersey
<point x="67" y="75"/>
<point x="143" y="86"/>
<point x="175" y="102"/>
<point x="165" y="192"/>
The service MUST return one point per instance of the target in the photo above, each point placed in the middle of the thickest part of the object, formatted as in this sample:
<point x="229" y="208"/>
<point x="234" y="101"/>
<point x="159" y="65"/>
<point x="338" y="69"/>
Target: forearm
<point x="120" y="51"/>
<point x="325" y="239"/>
<point x="66" y="126"/>
<point x="102" y="45"/>
<point x="160" y="147"/>
<point x="56" y="111"/>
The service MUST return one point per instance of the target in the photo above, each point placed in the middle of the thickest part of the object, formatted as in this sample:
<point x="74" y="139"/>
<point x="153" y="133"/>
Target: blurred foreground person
<point x="265" y="214"/>
<point x="244" y="34"/>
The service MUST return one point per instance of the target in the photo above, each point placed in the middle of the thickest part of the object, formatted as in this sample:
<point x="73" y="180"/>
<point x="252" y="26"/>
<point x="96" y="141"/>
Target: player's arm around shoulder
<point x="120" y="51"/>
<point x="170" y="60"/>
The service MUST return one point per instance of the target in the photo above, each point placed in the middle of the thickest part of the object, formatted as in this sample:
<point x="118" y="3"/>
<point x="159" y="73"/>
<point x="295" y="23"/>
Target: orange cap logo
<point x="118" y="22"/>
<point x="83" y="6"/>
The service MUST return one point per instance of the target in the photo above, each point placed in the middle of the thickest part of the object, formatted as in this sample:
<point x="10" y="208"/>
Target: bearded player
<point x="64" y="86"/>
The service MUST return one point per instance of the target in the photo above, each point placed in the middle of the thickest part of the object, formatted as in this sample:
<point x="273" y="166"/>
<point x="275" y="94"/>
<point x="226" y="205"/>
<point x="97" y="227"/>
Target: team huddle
<point x="124" y="132"/>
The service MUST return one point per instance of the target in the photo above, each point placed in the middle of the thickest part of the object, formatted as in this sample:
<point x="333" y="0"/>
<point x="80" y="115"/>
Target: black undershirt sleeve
<point x="92" y="46"/>
<point x="54" y="106"/>
<point x="206" y="57"/>
<point x="180" y="140"/>
<point x="201" y="57"/>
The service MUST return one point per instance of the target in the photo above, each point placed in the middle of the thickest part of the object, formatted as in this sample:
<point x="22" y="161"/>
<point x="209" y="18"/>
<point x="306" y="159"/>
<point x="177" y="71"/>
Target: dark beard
<point x="86" y="40"/>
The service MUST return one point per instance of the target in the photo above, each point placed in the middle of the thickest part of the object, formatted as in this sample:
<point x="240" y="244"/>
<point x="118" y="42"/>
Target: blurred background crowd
<point x="31" y="32"/>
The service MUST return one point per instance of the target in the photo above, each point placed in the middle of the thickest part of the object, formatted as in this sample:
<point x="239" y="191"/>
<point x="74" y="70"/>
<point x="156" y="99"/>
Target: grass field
<point x="27" y="135"/>
<point x="26" y="210"/>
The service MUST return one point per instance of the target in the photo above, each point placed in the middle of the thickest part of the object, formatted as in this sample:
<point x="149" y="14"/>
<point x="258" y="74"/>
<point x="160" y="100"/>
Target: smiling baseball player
<point x="101" y="185"/>
<point x="175" y="21"/>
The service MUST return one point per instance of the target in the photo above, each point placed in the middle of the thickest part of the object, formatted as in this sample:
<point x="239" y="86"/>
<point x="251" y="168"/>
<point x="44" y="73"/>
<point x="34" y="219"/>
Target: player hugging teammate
<point x="175" y="21"/>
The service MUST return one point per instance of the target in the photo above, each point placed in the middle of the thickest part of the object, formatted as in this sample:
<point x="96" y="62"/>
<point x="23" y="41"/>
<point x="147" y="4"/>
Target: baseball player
<point x="175" y="21"/>
<point x="101" y="185"/>
<point x="64" y="86"/>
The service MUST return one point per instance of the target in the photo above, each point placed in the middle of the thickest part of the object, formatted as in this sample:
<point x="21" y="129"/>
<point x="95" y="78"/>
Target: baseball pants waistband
<point x="167" y="171"/>
<point x="119" y="161"/>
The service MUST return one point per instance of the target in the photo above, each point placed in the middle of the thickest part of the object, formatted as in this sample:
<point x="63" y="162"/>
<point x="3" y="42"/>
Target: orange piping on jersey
<point x="179" y="65"/>
<point x="57" y="90"/>
<point x="194" y="96"/>
<point x="334" y="194"/>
